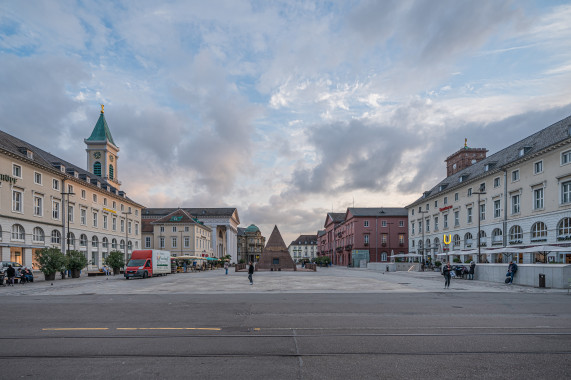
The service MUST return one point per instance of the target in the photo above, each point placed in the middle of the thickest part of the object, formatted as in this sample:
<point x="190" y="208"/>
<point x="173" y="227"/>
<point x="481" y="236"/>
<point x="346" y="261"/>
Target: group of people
<point x="447" y="272"/>
<point x="23" y="275"/>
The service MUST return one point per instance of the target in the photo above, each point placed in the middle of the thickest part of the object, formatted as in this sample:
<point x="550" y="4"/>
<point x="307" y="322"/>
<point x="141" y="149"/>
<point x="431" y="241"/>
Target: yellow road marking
<point x="257" y="329"/>
<point x="75" y="328"/>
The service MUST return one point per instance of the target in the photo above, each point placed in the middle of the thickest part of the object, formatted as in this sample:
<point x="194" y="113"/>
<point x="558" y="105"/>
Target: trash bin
<point x="542" y="280"/>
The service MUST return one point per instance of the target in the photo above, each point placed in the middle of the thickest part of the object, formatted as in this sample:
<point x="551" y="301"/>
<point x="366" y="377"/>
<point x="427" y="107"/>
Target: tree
<point x="75" y="261"/>
<point x="115" y="260"/>
<point x="51" y="261"/>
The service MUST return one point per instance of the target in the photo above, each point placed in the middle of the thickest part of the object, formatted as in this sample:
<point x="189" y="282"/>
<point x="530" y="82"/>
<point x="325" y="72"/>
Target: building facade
<point x="35" y="189"/>
<point x="524" y="200"/>
<point x="251" y="243"/>
<point x="222" y="221"/>
<point x="304" y="247"/>
<point x="375" y="232"/>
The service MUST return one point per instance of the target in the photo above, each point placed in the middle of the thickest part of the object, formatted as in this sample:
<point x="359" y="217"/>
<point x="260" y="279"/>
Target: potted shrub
<point x="75" y="261"/>
<point x="115" y="260"/>
<point x="51" y="261"/>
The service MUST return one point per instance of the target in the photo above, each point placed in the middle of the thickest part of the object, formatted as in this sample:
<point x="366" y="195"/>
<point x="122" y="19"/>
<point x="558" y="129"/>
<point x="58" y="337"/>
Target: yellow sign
<point x="449" y="239"/>
<point x="113" y="211"/>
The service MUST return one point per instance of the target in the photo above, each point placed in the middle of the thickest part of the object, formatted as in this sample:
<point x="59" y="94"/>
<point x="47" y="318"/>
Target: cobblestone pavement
<point x="325" y="280"/>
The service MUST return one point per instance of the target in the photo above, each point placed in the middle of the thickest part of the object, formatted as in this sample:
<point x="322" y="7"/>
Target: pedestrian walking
<point x="472" y="270"/>
<point x="251" y="273"/>
<point x="446" y="272"/>
<point x="226" y="267"/>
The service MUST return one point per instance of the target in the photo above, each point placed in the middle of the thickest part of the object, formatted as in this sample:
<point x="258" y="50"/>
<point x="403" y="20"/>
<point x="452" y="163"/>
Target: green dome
<point x="252" y="228"/>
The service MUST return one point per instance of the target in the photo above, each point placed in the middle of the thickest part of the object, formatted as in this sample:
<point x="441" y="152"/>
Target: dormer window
<point x="524" y="150"/>
<point x="442" y="187"/>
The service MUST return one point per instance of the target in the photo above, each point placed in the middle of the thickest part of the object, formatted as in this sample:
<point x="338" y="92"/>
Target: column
<point x="27" y="257"/>
<point x="231" y="244"/>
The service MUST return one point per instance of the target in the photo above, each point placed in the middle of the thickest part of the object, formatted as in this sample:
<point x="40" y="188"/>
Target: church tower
<point x="102" y="152"/>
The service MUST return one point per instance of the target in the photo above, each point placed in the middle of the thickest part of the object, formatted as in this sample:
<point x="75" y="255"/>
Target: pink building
<point x="379" y="231"/>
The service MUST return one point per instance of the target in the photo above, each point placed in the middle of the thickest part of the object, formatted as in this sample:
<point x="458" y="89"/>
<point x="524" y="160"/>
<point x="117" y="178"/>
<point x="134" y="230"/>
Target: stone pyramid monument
<point x="275" y="255"/>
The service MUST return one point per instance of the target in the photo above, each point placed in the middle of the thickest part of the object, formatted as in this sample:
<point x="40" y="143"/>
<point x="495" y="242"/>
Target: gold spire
<point x="102" y="107"/>
<point x="465" y="139"/>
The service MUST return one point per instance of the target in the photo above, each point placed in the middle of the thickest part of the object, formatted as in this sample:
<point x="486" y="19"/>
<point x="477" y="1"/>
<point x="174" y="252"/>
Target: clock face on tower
<point x="110" y="158"/>
<point x="97" y="155"/>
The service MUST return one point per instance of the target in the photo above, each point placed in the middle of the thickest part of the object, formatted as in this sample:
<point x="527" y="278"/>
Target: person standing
<point x="446" y="271"/>
<point x="226" y="267"/>
<point x="251" y="273"/>
<point x="472" y="270"/>
<point x="10" y="274"/>
<point x="512" y="269"/>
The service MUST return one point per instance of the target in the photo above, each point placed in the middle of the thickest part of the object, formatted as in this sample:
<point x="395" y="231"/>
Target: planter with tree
<point x="116" y="261"/>
<point x="75" y="261"/>
<point x="51" y="261"/>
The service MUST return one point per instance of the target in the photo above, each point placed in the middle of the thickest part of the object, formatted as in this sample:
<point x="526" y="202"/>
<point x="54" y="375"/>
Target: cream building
<point x="304" y="247"/>
<point x="251" y="243"/>
<point x="525" y="200"/>
<point x="180" y="233"/>
<point x="36" y="186"/>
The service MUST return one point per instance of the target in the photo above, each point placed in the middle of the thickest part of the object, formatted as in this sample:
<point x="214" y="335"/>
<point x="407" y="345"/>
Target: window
<point x="564" y="229"/>
<point x="445" y="201"/>
<point x="136" y="228"/>
<point x="70" y="213"/>
<point x="38" y="234"/>
<point x="105" y="222"/>
<point x="469" y="213"/>
<point x="538" y="199"/>
<point x="122" y="225"/>
<point x="412" y="212"/>
<point x="18" y="232"/>
<point x="105" y="242"/>
<point x="17" y="201"/>
<point x="515" y="204"/>
<point x="538" y="232"/>
<point x="383" y="223"/>
<point x="401" y="223"/>
<point x="497" y="236"/>
<point x="97" y="168"/>
<point x="515" y="175"/>
<point x="516" y="235"/>
<point x="114" y="205"/>
<point x="122" y="207"/>
<point x="412" y="227"/>
<point x="470" y="192"/>
<point x="55" y="184"/>
<point x="173" y="228"/>
<point x="186" y="242"/>
<point x="497" y="209"/>
<point x="83" y="240"/>
<point x="83" y="217"/>
<point x="384" y="256"/>
<point x="95" y="217"/>
<point x="419" y="227"/>
<point x="456" y="197"/>
<point x="445" y="222"/>
<point x="147" y="242"/>
<point x="383" y="239"/>
<point x="38" y="206"/>
<point x="161" y="242"/>
<point x="122" y="244"/>
<point x="566" y="192"/>
<point x="70" y="239"/>
<point x="456" y="241"/>
<point x="435" y="223"/>
<point x="427" y="207"/>
<point x="482" y="187"/>
<point x="173" y="242"/>
<point x="83" y="194"/>
<point x="566" y="157"/>
<point x="483" y="212"/>
<point x="111" y="172"/>
<point x="496" y="182"/>
<point x="69" y="188"/>
<point x="162" y="228"/>
<point x="94" y="242"/>
<point x="114" y="224"/>
<point x="366" y="239"/>
<point x="456" y="218"/>
<point x="436" y="204"/>
<point x="56" y="237"/>
<point x="468" y="240"/>
<point x="366" y="223"/>
<point x="114" y="244"/>
<point x="104" y="201"/>
<point x="94" y="198"/>
<point x="129" y="227"/>
<point x="401" y="239"/>
<point x="37" y="178"/>
<point x="55" y="209"/>
<point x="17" y="171"/>
<point x="427" y="225"/>
<point x="538" y="167"/>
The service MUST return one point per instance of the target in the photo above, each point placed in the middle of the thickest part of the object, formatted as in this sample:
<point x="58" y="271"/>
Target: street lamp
<point x="423" y="228"/>
<point x="479" y="248"/>
<point x="126" y="233"/>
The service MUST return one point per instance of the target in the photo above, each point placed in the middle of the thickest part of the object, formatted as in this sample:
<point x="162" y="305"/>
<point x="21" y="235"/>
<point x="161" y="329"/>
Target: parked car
<point x="4" y="265"/>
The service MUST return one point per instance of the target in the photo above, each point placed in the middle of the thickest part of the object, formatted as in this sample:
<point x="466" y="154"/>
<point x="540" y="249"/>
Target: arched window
<point x="105" y="242"/>
<point x="83" y="240"/>
<point x="497" y="236"/>
<point x="122" y="244"/>
<point x="114" y="243"/>
<point x="456" y="241"/>
<point x="420" y="245"/>
<point x="56" y="237"/>
<point x="428" y="244"/>
<point x="70" y="238"/>
<point x="436" y="244"/>
<point x="468" y="239"/>
<point x="94" y="241"/>
<point x="564" y="229"/>
<point x="18" y="232"/>
<point x="383" y="256"/>
<point x="538" y="232"/>
<point x="38" y="234"/>
<point x="111" y="172"/>
<point x="130" y="245"/>
<point x="97" y="168"/>
<point x="516" y="235"/>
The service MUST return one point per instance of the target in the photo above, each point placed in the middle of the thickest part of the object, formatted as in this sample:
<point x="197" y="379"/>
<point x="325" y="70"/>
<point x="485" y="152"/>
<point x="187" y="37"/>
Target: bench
<point x="96" y="273"/>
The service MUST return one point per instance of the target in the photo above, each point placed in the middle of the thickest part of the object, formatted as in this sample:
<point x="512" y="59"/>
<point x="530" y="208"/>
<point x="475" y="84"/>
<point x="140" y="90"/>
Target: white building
<point x="304" y="247"/>
<point x="526" y="199"/>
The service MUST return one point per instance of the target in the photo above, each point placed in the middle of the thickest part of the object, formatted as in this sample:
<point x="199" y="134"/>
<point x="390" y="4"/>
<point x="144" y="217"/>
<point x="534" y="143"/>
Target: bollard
<point x="387" y="268"/>
<point x="542" y="280"/>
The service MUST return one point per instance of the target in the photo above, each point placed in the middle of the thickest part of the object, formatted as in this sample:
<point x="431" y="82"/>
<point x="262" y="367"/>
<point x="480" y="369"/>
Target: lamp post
<point x="479" y="248"/>
<point x="126" y="233"/>
<point x="423" y="228"/>
<point x="65" y="245"/>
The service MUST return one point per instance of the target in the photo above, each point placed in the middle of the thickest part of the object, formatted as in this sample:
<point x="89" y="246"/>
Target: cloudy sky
<point x="286" y="110"/>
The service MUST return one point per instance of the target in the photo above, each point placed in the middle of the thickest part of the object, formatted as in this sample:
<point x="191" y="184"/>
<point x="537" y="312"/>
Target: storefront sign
<point x="445" y="208"/>
<point x="7" y="178"/>
<point x="108" y="210"/>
